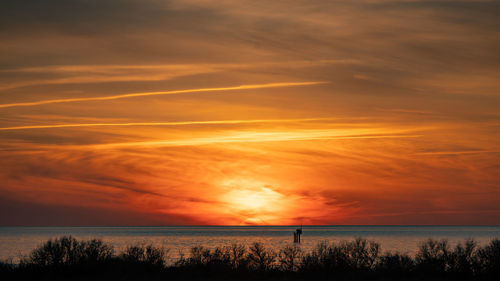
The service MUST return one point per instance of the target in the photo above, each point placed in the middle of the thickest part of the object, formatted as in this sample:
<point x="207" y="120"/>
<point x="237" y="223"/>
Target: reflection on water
<point x="18" y="241"/>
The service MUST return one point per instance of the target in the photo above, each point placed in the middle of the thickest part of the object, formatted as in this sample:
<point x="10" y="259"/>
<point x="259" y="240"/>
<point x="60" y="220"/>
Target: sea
<point x="16" y="242"/>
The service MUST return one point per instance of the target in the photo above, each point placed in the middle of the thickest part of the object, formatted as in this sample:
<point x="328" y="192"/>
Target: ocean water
<point x="16" y="242"/>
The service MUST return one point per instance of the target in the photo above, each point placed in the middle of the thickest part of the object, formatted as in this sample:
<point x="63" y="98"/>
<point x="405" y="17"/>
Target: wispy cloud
<point x="174" y="92"/>
<point x="182" y="123"/>
<point x="84" y="74"/>
<point x="248" y="137"/>
<point x="457" y="152"/>
<point x="121" y="68"/>
<point x="88" y="74"/>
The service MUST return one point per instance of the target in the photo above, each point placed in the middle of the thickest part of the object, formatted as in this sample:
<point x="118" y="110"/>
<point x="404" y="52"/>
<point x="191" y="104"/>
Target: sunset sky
<point x="197" y="112"/>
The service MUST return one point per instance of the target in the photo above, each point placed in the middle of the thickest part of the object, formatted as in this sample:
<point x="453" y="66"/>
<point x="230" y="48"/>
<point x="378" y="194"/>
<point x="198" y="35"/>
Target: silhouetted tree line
<point x="69" y="259"/>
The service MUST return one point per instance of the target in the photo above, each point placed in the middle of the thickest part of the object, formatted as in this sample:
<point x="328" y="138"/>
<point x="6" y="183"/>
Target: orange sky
<point x="249" y="112"/>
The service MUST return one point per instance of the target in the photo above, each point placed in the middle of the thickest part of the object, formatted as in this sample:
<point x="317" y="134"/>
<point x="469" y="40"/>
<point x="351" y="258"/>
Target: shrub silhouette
<point x="6" y="267"/>
<point x="67" y="251"/>
<point x="395" y="265"/>
<point x="203" y="262"/>
<point x="315" y="261"/>
<point x="260" y="258"/>
<point x="434" y="257"/>
<point x="289" y="258"/>
<point x="361" y="254"/>
<point x="489" y="259"/>
<point x="145" y="255"/>
<point x="199" y="256"/>
<point x="237" y="255"/>
<point x="220" y="256"/>
<point x="66" y="258"/>
<point x="342" y="258"/>
<point x="464" y="260"/>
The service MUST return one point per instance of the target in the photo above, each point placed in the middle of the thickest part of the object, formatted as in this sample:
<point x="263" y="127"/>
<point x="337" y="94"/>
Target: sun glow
<point x="253" y="200"/>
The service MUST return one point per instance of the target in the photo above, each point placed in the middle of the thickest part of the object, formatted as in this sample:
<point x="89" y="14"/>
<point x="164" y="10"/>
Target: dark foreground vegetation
<point x="69" y="259"/>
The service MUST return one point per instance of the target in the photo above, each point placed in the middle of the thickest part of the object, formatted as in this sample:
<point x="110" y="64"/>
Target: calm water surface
<point x="18" y="241"/>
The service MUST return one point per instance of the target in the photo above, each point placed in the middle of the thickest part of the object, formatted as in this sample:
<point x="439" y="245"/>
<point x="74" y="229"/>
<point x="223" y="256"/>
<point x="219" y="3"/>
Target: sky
<point x="197" y="112"/>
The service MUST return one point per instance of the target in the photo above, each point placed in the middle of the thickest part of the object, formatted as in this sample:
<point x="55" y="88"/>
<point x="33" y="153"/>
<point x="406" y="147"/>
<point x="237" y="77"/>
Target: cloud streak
<point x="182" y="123"/>
<point x="174" y="92"/>
<point x="243" y="137"/>
<point x="88" y="74"/>
<point x="253" y="137"/>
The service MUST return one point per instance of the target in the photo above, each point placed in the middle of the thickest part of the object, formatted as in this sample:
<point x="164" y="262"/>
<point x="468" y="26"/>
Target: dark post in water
<point x="296" y="235"/>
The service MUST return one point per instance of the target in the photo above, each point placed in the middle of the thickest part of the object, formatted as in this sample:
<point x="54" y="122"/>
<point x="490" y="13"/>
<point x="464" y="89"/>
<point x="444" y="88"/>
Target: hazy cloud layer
<point x="402" y="129"/>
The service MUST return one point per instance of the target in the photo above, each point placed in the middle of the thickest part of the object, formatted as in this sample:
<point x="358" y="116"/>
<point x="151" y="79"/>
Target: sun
<point x="253" y="200"/>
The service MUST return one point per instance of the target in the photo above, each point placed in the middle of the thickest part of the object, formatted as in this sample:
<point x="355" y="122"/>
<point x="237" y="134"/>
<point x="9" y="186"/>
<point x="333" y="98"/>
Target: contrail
<point x="215" y="122"/>
<point x="241" y="87"/>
